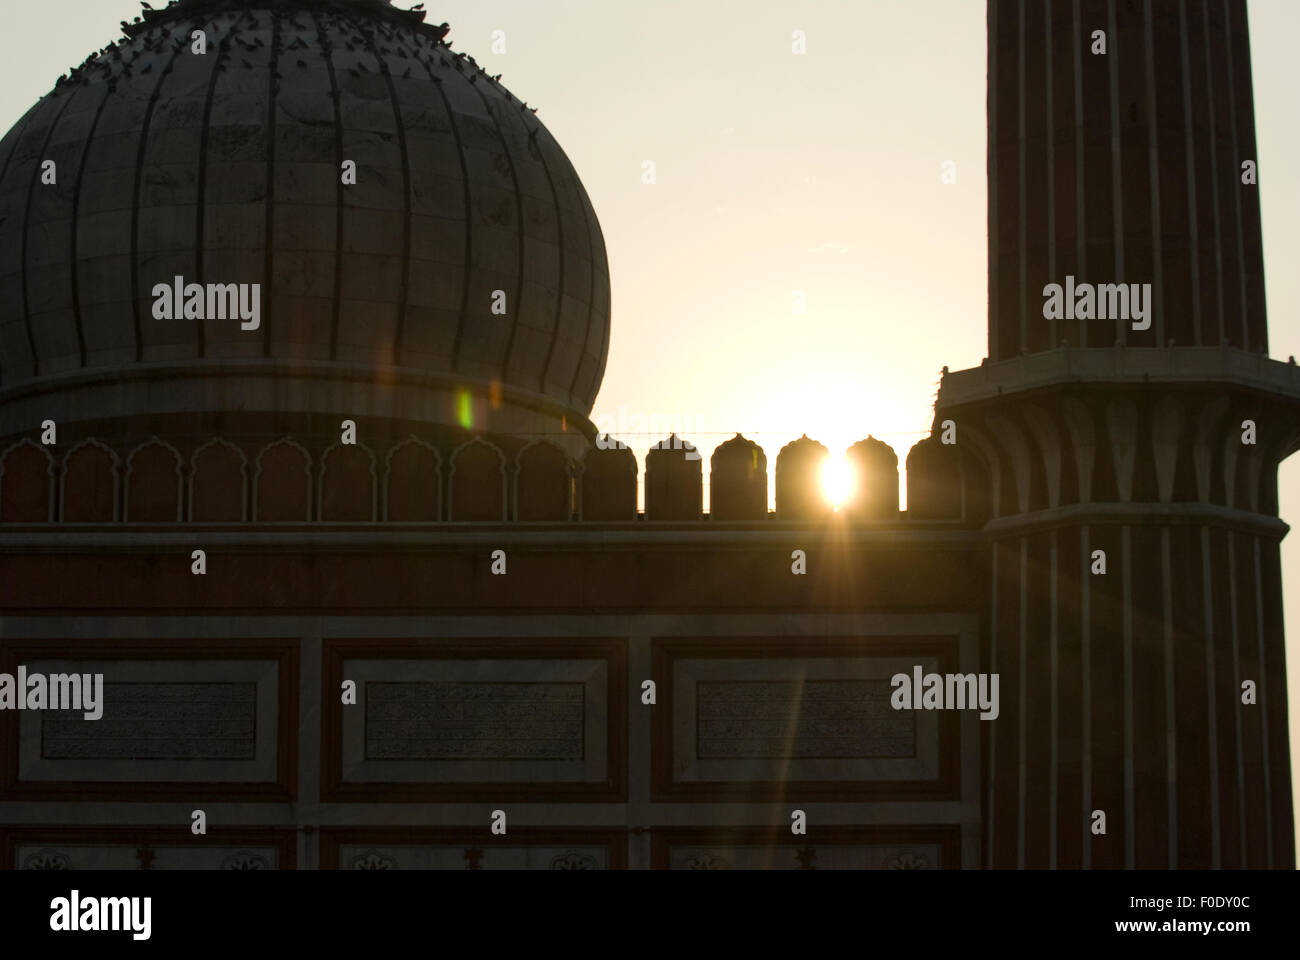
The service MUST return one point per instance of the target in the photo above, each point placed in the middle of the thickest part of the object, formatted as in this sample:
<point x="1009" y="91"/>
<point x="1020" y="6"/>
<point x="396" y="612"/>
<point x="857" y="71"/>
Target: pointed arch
<point x="349" y="494"/>
<point x="405" y="496"/>
<point x="282" y="482"/>
<point x="89" y="484"/>
<point x="476" y="482"/>
<point x="26" y="491"/>
<point x="218" y="488"/>
<point x="155" y="484"/>
<point x="543" y="482"/>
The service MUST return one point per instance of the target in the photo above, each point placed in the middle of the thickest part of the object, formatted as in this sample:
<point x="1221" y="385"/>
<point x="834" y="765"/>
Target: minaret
<point x="1117" y="136"/>
<point x="1128" y="476"/>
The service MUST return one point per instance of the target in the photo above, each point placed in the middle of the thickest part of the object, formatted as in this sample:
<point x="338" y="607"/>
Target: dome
<point x="466" y="257"/>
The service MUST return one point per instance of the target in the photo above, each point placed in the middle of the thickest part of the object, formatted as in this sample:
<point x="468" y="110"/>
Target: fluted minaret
<point x="1135" y="593"/>
<point x="1123" y="167"/>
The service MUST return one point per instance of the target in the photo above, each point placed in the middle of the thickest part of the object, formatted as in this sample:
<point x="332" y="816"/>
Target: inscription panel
<point x="474" y="719"/>
<point x="446" y="722"/>
<point x="164" y="721"/>
<point x="159" y="721"/>
<point x="814" y="729"/>
<point x="816" y="718"/>
<point x="751" y="717"/>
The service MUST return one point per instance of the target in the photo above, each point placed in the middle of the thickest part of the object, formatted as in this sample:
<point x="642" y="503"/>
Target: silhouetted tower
<point x="1123" y="167"/>
<point x="1150" y="454"/>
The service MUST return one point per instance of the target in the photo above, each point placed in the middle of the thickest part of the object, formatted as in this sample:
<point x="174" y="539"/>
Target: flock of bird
<point x="111" y="58"/>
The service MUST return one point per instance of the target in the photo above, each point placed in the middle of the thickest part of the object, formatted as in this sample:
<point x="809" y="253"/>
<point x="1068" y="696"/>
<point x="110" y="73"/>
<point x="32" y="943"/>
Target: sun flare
<point x="837" y="481"/>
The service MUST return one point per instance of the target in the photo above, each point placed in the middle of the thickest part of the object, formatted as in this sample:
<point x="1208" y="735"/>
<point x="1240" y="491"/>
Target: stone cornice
<point x="1137" y="514"/>
<point x="699" y="535"/>
<point x="1120" y="366"/>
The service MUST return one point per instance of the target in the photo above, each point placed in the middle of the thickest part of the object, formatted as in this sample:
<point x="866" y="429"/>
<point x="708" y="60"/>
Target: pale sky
<point x="778" y="173"/>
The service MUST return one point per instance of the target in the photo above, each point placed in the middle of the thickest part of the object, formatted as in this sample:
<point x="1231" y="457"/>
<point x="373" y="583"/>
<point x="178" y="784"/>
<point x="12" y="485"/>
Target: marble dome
<point x="466" y="256"/>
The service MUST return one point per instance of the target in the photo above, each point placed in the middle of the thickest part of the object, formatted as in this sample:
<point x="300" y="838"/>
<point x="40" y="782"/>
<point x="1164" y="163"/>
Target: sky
<point x="780" y="181"/>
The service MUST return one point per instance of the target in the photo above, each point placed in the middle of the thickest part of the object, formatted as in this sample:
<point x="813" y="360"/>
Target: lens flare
<point x="465" y="409"/>
<point x="837" y="481"/>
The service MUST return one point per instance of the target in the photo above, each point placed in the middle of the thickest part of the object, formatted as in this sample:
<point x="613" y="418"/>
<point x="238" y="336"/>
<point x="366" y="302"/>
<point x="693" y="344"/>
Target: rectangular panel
<point x="833" y="848"/>
<point x="458" y="721"/>
<point x="157" y="720"/>
<point x="756" y="718"/>
<point x="776" y="719"/>
<point x="526" y="848"/>
<point x="492" y="718"/>
<point x="165" y="721"/>
<point x="177" y="721"/>
<point x="145" y="848"/>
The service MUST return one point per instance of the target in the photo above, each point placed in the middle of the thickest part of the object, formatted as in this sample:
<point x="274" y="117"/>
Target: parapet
<point x="609" y="484"/>
<point x="875" y="490"/>
<point x="300" y="478"/>
<point x="934" y="481"/>
<point x="738" y="481"/>
<point x="799" y="468"/>
<point x="674" y="481"/>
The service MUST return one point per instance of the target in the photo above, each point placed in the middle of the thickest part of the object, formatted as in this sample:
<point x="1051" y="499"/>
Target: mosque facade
<point x="367" y="591"/>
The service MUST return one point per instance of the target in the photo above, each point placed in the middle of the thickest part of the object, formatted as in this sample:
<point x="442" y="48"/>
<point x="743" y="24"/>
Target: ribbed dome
<point x="224" y="167"/>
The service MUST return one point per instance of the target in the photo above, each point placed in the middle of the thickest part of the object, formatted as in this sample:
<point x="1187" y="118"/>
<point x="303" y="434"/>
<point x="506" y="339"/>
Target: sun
<point x="837" y="481"/>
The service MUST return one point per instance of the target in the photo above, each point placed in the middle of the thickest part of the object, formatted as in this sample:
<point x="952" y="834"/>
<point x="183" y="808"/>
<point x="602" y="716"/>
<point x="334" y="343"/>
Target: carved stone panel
<point x="460" y="848"/>
<point x="448" y="856"/>
<point x="163" y="721"/>
<point x="900" y="847"/>
<point x="176" y="856"/>
<point x="481" y="719"/>
<point x="747" y="717"/>
<point x="177" y="720"/>
<point x="773" y="719"/>
<point x="468" y="720"/>
<point x="115" y="847"/>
